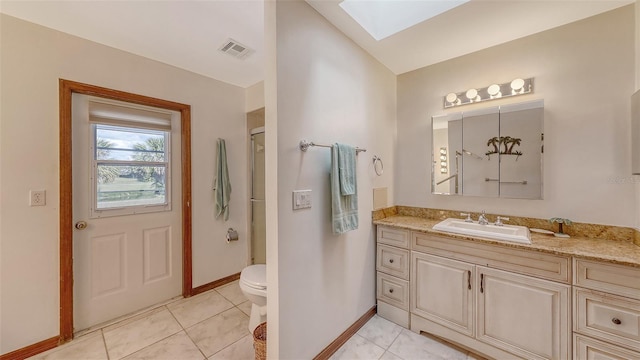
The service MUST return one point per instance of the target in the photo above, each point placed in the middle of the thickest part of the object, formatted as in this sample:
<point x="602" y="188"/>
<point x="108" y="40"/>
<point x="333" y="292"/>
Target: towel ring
<point x="376" y="161"/>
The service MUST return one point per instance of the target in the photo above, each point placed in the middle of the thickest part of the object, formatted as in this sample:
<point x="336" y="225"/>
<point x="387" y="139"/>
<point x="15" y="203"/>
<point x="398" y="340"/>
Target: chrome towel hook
<point x="378" y="169"/>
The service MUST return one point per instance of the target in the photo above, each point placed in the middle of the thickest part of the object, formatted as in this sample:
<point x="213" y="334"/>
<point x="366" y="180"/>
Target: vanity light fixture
<point x="443" y="160"/>
<point x="516" y="87"/>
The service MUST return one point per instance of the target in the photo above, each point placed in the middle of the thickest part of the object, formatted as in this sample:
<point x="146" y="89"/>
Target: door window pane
<point x="131" y="170"/>
<point x="118" y="143"/>
<point x="123" y="185"/>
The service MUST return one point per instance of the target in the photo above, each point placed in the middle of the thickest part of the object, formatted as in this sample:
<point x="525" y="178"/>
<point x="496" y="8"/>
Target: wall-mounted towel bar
<point x="304" y="145"/>
<point x="523" y="182"/>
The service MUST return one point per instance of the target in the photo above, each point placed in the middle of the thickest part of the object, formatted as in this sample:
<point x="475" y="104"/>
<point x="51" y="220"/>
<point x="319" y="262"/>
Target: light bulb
<point x="493" y="90"/>
<point x="451" y="98"/>
<point x="517" y="84"/>
<point x="472" y="94"/>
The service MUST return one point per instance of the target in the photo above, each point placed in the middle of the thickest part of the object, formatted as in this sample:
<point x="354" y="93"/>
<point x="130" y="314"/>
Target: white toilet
<point x="253" y="283"/>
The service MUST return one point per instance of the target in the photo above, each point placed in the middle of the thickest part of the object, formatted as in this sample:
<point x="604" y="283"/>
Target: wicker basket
<point x="260" y="341"/>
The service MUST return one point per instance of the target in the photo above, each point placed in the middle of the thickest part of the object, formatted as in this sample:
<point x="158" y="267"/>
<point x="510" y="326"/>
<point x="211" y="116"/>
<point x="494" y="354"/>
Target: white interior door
<point x="127" y="243"/>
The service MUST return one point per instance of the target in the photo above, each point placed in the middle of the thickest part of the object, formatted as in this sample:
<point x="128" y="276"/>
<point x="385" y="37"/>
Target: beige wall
<point x="637" y="68"/>
<point x="255" y="119"/>
<point x="582" y="72"/>
<point x="637" y="41"/>
<point x="254" y="97"/>
<point x="271" y="177"/>
<point x="33" y="58"/>
<point x="328" y="90"/>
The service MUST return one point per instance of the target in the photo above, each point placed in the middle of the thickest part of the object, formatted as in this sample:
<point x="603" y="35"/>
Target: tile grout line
<point x="187" y="333"/>
<point x="228" y="346"/>
<point x="234" y="306"/>
<point x="159" y="340"/>
<point x="393" y="341"/>
<point x="249" y="333"/>
<point x="144" y="314"/>
<point x="203" y="320"/>
<point x="104" y="342"/>
<point x="395" y="338"/>
<point x="123" y="319"/>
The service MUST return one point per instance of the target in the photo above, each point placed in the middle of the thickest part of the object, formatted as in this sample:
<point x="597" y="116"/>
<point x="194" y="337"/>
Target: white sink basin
<point x="519" y="234"/>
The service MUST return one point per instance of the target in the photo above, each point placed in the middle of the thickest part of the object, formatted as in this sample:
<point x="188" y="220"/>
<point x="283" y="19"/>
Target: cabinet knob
<point x="391" y="291"/>
<point x="616" y="321"/>
<point x="391" y="261"/>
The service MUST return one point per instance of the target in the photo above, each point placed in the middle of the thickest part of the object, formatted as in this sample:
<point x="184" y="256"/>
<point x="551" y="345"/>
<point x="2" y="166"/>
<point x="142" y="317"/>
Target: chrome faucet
<point x="482" y="219"/>
<point x="468" y="215"/>
<point x="499" y="220"/>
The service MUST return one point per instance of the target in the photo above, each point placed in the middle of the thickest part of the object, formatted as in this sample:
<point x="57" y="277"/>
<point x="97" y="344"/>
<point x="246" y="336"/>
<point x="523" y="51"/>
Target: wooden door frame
<point x="67" y="88"/>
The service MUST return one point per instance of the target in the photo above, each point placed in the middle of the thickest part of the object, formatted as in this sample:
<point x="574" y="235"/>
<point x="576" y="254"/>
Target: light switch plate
<point x="301" y="199"/>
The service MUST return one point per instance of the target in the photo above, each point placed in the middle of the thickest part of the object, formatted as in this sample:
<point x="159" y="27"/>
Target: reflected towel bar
<point x="523" y="182"/>
<point x="304" y="145"/>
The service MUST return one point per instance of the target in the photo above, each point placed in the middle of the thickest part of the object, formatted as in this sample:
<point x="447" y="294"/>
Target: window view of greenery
<point x="131" y="166"/>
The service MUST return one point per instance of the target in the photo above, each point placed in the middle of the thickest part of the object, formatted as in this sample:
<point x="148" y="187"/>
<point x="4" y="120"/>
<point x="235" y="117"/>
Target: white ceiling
<point x="187" y="34"/>
<point x="476" y="25"/>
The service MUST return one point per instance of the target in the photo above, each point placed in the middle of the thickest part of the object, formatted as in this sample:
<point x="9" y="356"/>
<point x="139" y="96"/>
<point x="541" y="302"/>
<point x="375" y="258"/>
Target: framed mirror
<point x="492" y="152"/>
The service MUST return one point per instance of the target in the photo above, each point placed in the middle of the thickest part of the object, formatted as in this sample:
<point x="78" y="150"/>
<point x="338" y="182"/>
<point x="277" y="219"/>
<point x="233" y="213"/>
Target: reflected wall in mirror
<point x="492" y="152"/>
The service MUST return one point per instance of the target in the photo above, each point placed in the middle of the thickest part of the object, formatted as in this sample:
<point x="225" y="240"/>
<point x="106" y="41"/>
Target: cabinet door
<point x="523" y="315"/>
<point x="441" y="291"/>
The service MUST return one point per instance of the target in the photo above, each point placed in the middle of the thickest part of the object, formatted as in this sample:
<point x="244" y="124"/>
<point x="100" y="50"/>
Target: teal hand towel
<point x="222" y="185"/>
<point x="347" y="167"/>
<point x="344" y="208"/>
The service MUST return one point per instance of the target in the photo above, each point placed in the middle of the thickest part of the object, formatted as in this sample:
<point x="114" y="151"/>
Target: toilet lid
<point x="255" y="276"/>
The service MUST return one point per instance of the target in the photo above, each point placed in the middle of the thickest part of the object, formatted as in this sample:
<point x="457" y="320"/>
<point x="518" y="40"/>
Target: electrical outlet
<point x="37" y="198"/>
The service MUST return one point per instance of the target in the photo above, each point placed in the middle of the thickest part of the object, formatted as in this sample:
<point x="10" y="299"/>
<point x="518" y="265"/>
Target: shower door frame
<point x="252" y="132"/>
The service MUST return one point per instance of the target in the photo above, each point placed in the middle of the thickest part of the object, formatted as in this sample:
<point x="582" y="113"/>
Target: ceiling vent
<point x="235" y="49"/>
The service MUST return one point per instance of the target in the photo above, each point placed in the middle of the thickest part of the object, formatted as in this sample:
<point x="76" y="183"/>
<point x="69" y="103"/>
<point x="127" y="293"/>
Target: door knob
<point x="81" y="225"/>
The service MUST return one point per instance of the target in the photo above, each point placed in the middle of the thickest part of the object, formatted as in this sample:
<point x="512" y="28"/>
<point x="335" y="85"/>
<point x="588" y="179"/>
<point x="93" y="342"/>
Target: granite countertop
<point x="599" y="249"/>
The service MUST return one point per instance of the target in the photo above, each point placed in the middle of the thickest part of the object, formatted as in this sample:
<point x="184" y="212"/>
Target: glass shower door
<point x="258" y="217"/>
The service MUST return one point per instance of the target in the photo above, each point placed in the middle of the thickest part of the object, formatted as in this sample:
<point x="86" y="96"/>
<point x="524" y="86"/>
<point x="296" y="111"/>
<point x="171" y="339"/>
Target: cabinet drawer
<point x="393" y="261"/>
<point x="608" y="317"/>
<point x="393" y="236"/>
<point x="617" y="279"/>
<point x="526" y="262"/>
<point x="393" y="291"/>
<point x="587" y="348"/>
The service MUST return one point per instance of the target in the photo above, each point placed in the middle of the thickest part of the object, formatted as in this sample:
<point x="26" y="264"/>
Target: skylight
<point x="383" y="18"/>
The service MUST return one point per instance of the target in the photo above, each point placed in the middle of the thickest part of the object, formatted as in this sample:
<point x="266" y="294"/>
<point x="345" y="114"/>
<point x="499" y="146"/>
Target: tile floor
<point x="213" y="325"/>
<point x="384" y="340"/>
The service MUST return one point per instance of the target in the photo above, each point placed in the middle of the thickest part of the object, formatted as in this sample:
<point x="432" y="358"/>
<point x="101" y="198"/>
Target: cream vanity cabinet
<point x="500" y="301"/>
<point x="392" y="276"/>
<point x="606" y="305"/>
